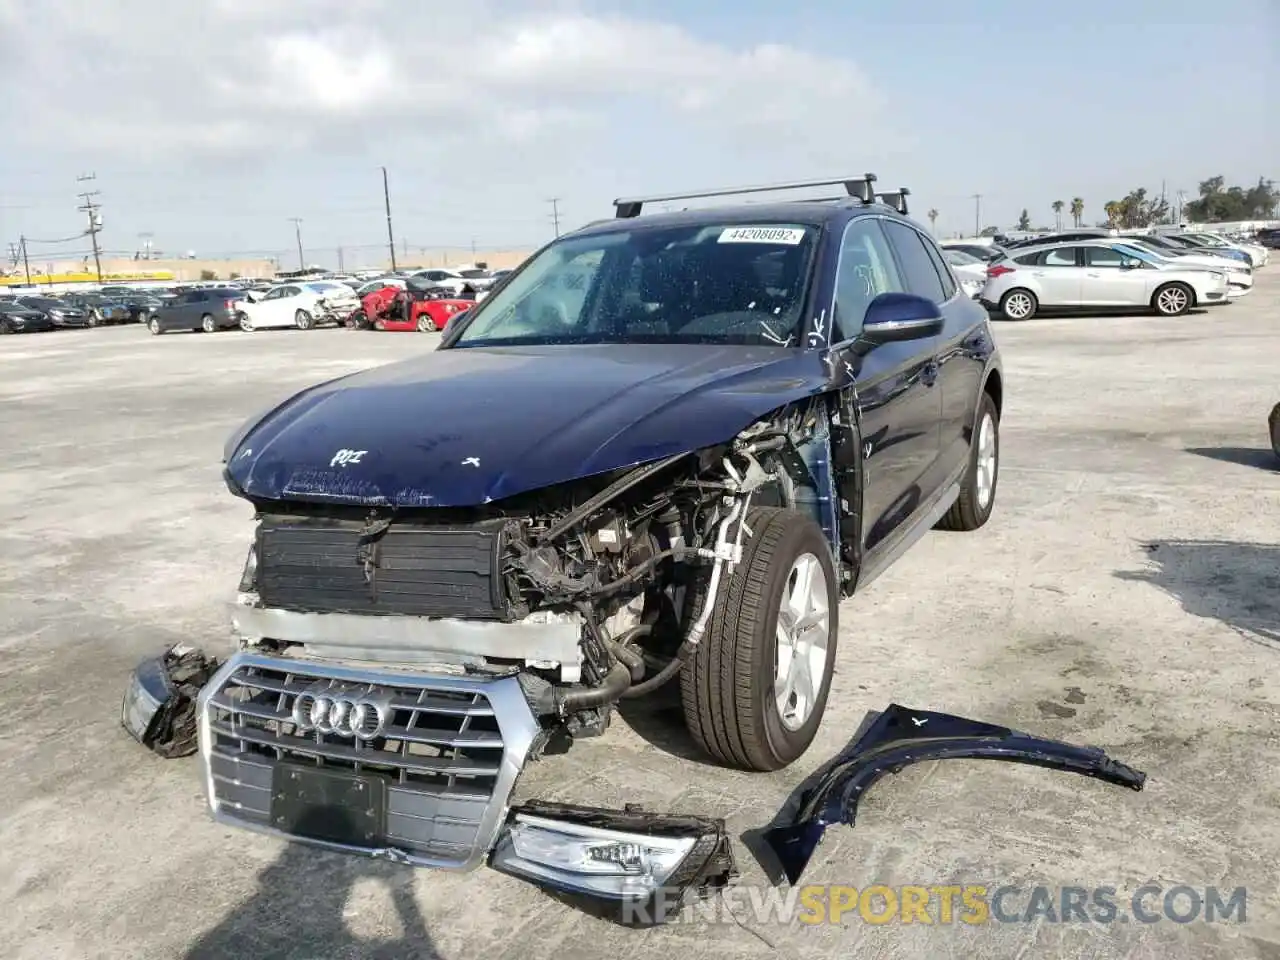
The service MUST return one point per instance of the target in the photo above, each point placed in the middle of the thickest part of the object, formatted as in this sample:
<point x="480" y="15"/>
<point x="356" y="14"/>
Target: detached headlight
<point x="1217" y="276"/>
<point x="621" y="856"/>
<point x="588" y="859"/>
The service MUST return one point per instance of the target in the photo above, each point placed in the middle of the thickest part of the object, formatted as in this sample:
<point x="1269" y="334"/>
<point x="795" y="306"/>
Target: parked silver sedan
<point x="1096" y="274"/>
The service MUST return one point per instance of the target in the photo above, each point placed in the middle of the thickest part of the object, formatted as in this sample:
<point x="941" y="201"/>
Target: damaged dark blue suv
<point x="662" y="450"/>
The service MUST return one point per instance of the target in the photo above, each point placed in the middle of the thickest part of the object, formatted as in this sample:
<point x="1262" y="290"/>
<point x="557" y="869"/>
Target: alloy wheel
<point x="803" y="637"/>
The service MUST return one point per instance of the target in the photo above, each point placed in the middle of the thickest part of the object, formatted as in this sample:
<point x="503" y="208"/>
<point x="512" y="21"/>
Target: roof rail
<point x="859" y="187"/>
<point x="896" y="200"/>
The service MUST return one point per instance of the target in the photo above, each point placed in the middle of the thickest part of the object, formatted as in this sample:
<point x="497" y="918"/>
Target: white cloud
<point x="305" y="69"/>
<point x="210" y="122"/>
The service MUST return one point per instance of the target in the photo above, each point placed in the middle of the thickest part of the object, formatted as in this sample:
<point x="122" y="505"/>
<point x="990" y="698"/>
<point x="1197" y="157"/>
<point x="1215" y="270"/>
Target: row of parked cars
<point x="22" y="312"/>
<point x="1168" y="273"/>
<point x="408" y="299"/>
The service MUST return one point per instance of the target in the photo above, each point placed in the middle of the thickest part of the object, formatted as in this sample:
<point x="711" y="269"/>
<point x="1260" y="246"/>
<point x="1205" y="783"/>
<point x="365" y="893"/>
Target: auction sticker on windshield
<point x="790" y="236"/>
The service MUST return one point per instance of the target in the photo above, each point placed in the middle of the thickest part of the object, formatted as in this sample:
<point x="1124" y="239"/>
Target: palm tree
<point x="933" y="220"/>
<point x="1077" y="211"/>
<point x="1057" y="212"/>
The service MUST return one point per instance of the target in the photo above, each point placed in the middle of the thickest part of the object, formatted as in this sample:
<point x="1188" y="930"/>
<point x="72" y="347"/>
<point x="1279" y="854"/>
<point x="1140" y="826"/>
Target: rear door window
<point x="917" y="268"/>
<point x="940" y="264"/>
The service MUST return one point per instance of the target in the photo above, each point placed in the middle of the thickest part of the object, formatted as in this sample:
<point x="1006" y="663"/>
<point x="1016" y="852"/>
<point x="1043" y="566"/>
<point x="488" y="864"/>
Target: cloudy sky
<point x="209" y="123"/>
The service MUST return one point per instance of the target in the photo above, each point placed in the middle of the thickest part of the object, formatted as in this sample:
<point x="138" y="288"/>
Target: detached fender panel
<point x="900" y="737"/>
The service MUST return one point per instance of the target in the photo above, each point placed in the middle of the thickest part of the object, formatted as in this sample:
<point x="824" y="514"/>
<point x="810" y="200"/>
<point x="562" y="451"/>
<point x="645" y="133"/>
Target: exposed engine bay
<point x="592" y="591"/>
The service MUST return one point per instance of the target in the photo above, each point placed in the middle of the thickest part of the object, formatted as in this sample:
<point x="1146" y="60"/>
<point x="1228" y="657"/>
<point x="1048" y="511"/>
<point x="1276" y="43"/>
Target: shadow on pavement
<point x="658" y="719"/>
<point x="298" y="913"/>
<point x="1236" y="583"/>
<point x="1258" y="457"/>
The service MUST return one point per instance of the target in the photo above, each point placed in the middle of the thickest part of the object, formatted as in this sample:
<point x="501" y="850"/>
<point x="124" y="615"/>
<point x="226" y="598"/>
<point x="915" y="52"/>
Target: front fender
<point x="900" y="737"/>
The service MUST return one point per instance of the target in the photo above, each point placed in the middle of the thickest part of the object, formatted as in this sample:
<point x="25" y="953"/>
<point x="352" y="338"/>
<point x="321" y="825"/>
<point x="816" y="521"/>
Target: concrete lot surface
<point x="1126" y="593"/>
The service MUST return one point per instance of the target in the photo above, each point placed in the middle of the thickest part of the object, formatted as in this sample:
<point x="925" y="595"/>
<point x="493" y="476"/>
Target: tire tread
<point x="718" y="681"/>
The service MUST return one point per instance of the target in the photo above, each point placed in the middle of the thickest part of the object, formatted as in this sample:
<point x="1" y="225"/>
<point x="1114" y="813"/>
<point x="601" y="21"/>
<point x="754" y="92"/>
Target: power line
<point x="95" y="222"/>
<point x="78" y="236"/>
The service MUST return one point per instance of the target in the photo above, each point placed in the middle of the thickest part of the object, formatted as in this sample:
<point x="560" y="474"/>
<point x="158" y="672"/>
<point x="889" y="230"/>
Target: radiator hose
<point x="615" y="684"/>
<point x="620" y="647"/>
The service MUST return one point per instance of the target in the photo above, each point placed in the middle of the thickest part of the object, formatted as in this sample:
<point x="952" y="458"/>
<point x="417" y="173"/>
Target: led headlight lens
<point x="586" y="859"/>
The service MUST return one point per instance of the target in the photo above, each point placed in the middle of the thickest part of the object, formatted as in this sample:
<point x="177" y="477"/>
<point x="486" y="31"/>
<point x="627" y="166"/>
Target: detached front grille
<point x="444" y="767"/>
<point x="338" y="566"/>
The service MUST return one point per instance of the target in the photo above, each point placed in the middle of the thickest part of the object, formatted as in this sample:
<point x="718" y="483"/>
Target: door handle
<point x="1094" y="275"/>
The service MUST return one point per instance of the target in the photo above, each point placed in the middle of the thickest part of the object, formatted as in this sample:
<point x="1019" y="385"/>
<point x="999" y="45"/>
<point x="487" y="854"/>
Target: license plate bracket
<point x="340" y="806"/>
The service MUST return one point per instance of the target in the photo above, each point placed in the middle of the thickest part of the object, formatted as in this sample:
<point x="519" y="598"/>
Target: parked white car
<point x="450" y="280"/>
<point x="478" y="277"/>
<point x="1259" y="256"/>
<point x="1239" y="276"/>
<point x="301" y="305"/>
<point x="969" y="270"/>
<point x="380" y="283"/>
<point x="1089" y="274"/>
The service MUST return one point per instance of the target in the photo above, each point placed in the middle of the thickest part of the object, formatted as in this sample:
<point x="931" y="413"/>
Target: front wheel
<point x="245" y="323"/>
<point x="1173" y="300"/>
<point x="426" y="324"/>
<point x="207" y="324"/>
<point x="978" y="485"/>
<point x="154" y="326"/>
<point x="94" y="318"/>
<point x="303" y="320"/>
<point x="1274" y="423"/>
<point x="756" y="686"/>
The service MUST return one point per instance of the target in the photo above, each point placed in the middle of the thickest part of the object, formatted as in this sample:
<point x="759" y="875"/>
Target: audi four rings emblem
<point x="343" y="713"/>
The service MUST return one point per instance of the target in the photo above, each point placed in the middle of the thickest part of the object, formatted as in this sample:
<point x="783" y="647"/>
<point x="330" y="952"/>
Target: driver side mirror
<point x="895" y="317"/>
<point x="1131" y="263"/>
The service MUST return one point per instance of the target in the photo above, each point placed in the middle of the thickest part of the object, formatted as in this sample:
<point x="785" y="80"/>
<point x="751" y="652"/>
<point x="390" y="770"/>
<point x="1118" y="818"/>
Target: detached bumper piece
<point x="159" y="708"/>
<point x="641" y="866"/>
<point x="900" y="737"/>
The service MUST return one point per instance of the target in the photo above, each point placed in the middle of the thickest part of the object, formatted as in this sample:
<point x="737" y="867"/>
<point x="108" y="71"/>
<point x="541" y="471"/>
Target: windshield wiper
<point x="900" y="737"/>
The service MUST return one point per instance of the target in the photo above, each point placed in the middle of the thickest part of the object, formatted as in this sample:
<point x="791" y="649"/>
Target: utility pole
<point x="386" y="199"/>
<point x="26" y="266"/>
<point x="95" y="223"/>
<point x="340" y="264"/>
<point x="146" y="244"/>
<point x="555" y="213"/>
<point x="297" y="232"/>
<point x="977" y="214"/>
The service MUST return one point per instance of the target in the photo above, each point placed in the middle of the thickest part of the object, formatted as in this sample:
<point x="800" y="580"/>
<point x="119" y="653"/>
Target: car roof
<point x="1022" y="251"/>
<point x="813" y="213"/>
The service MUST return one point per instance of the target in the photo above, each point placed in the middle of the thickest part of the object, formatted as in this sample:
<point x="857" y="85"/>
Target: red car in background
<point x="414" y="307"/>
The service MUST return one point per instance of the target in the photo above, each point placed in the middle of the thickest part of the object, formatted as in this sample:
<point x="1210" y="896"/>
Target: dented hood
<point x="461" y="427"/>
